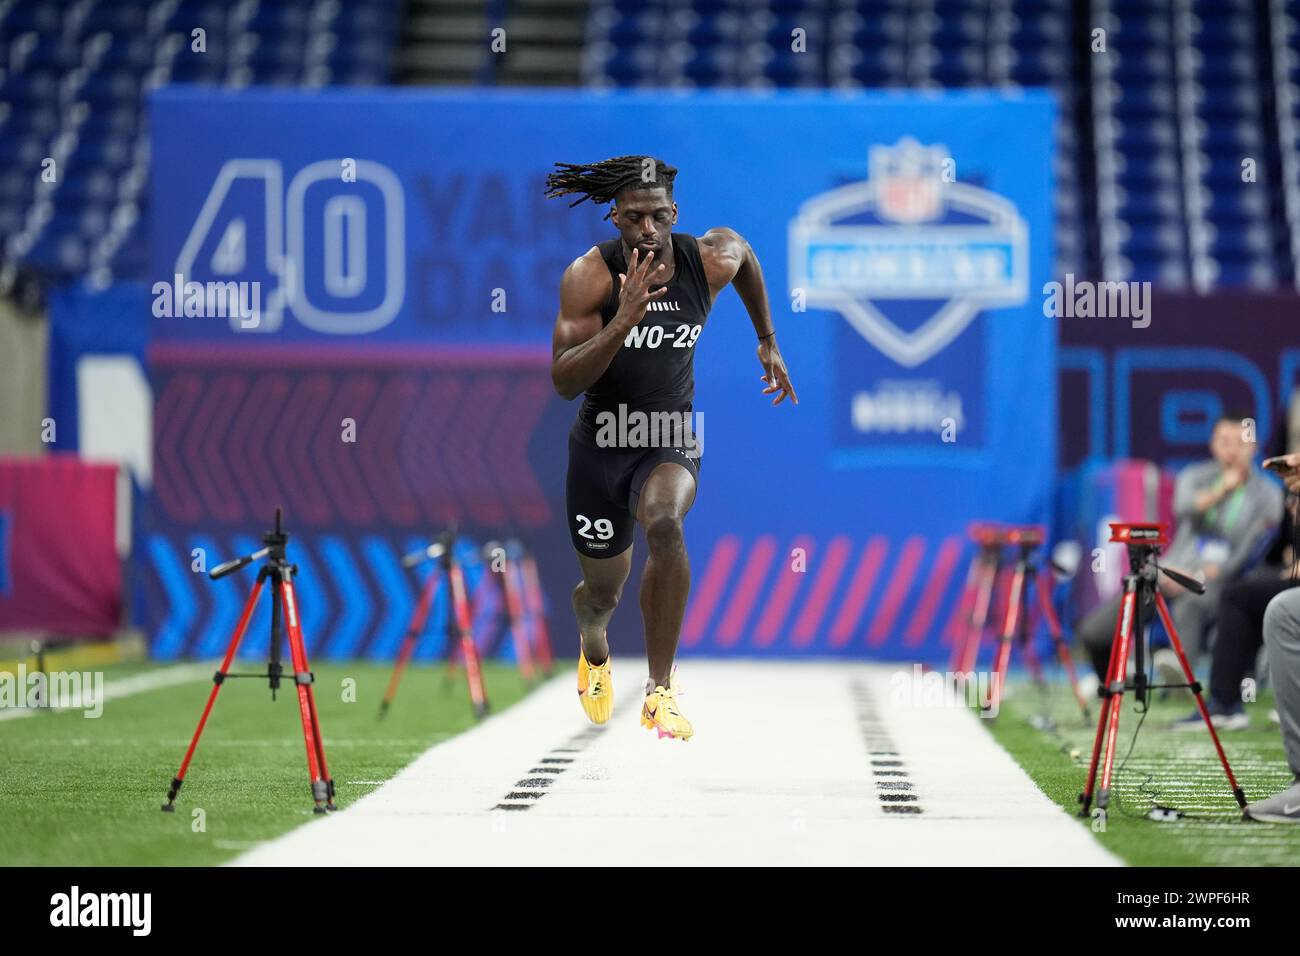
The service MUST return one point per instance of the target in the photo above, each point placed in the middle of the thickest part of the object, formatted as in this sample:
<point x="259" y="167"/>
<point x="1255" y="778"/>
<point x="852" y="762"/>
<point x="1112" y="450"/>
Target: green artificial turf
<point x="79" y="791"/>
<point x="1165" y="768"/>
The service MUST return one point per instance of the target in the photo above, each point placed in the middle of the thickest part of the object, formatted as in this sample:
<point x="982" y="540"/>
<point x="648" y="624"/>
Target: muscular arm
<point x="581" y="349"/>
<point x="729" y="259"/>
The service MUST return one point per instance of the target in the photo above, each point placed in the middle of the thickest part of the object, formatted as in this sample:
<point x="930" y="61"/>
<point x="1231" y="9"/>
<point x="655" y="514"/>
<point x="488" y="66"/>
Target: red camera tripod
<point x="1027" y="539"/>
<point x="521" y="598"/>
<point x="284" y="602"/>
<point x="1141" y="584"/>
<point x="981" y="584"/>
<point x="460" y="635"/>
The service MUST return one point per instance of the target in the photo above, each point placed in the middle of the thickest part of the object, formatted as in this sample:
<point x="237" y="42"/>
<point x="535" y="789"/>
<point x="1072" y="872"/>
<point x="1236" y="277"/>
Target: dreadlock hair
<point x="602" y="182"/>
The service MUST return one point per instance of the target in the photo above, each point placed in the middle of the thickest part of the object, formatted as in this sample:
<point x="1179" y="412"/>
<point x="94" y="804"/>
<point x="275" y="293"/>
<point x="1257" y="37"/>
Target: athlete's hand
<point x="775" y="376"/>
<point x="634" y="288"/>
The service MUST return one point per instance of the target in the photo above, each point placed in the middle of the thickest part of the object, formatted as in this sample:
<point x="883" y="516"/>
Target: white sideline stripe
<point x="778" y="773"/>
<point x="126" y="686"/>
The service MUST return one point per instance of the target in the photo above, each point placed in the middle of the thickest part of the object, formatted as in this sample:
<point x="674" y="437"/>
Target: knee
<point x="1282" y="621"/>
<point x="600" y="598"/>
<point x="664" y="534"/>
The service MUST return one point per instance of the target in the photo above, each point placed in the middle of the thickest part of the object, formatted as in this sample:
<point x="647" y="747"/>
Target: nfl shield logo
<point x="907" y="239"/>
<point x="909" y="181"/>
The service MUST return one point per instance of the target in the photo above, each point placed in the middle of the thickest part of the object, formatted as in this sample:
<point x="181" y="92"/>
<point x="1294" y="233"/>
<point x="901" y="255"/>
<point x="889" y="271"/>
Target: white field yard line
<point x="780" y="772"/>
<point x="127" y="686"/>
<point x="970" y="783"/>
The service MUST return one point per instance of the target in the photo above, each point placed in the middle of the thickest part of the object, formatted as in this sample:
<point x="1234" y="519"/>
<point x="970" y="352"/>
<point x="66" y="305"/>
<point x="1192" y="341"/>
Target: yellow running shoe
<point x="595" y="688"/>
<point x="659" y="712"/>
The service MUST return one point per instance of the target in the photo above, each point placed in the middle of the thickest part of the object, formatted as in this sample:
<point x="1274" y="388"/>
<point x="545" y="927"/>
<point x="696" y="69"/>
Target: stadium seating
<point x="1178" y="145"/>
<point x="1155" y="127"/>
<point x="74" y="78"/>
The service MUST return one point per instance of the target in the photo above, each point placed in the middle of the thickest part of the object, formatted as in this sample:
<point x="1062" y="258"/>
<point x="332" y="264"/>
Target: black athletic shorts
<point x="602" y="490"/>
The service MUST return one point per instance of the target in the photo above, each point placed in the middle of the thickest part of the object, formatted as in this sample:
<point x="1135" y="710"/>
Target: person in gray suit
<point x="1282" y="638"/>
<point x="1227" y="511"/>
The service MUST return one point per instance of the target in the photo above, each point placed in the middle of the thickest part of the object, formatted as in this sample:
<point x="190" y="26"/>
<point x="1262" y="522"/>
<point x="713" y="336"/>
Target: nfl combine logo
<point x="909" y="181"/>
<point x="908" y="234"/>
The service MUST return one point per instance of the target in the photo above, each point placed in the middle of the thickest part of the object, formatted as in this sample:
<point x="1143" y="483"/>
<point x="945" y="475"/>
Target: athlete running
<point x="631" y="311"/>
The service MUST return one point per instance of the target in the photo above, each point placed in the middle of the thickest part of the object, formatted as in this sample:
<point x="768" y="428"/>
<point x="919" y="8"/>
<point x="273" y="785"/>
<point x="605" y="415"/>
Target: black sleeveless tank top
<point x="654" y="371"/>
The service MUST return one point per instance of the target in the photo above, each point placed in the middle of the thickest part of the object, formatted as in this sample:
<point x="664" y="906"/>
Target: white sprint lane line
<point x="125" y="687"/>
<point x="753" y="787"/>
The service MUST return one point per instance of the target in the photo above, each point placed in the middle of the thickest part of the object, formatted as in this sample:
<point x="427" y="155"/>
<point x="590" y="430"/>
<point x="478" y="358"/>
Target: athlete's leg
<point x="595" y="598"/>
<point x="600" y="528"/>
<point x="665" y="498"/>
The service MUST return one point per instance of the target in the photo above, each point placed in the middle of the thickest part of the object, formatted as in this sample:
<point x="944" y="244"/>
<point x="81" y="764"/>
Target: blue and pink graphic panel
<point x="904" y="238"/>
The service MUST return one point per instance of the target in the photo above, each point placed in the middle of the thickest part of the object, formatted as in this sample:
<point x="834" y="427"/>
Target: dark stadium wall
<point x="1154" y="392"/>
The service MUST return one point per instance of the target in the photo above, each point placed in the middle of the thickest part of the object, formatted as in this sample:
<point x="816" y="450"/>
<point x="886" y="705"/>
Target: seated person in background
<point x="1225" y="509"/>
<point x="1282" y="638"/>
<point x="1241" y="631"/>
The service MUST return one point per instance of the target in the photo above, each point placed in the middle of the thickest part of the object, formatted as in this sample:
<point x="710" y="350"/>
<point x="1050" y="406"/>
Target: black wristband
<point x="768" y="336"/>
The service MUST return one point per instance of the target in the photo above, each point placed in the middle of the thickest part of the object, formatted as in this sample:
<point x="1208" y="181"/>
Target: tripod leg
<point x="490" y="606"/>
<point x="965" y="607"/>
<point x="1058" y="639"/>
<point x="541" y="634"/>
<point x="413" y="631"/>
<point x="1112" y="691"/>
<point x="1126" y="638"/>
<point x="979" y="618"/>
<point x="217" y="680"/>
<point x="976" y="620"/>
<point x="1028" y="627"/>
<point x="451" y="647"/>
<point x="1031" y="656"/>
<point x="322" y="787"/>
<point x="515" y="620"/>
<point x="469" y="651"/>
<point x="1011" y="621"/>
<point x="1163" y="610"/>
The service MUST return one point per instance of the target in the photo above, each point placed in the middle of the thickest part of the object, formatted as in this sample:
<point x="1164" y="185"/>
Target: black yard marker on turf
<point x="887" y="767"/>
<point x="531" y="789"/>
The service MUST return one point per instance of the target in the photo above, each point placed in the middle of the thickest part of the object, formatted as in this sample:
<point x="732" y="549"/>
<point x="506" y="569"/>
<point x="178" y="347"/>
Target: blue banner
<point x="904" y="238"/>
